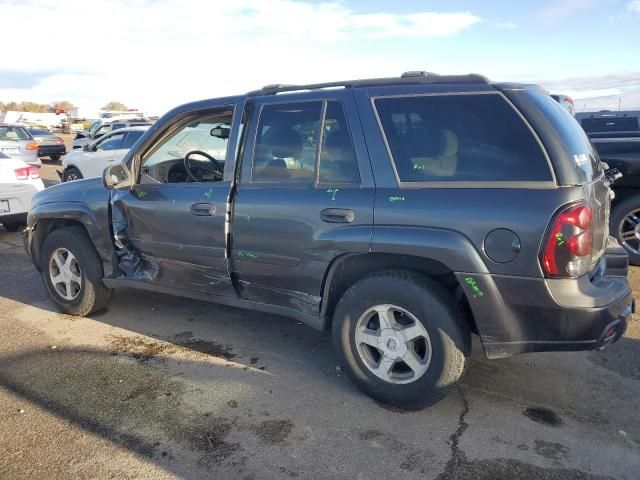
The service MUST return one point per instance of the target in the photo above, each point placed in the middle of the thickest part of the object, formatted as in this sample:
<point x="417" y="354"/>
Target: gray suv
<point x="404" y="214"/>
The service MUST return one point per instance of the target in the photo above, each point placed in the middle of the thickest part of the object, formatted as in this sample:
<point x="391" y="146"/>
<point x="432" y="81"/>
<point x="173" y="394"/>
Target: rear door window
<point x="113" y="142"/>
<point x="460" y="138"/>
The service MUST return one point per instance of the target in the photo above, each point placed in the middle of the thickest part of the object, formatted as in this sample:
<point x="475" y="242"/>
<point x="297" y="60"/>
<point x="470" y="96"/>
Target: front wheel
<point x="625" y="226"/>
<point x="72" y="272"/>
<point x="401" y="338"/>
<point x="70" y="174"/>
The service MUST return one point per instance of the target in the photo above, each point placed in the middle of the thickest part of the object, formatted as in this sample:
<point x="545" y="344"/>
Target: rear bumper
<point x="46" y="150"/>
<point x="522" y="314"/>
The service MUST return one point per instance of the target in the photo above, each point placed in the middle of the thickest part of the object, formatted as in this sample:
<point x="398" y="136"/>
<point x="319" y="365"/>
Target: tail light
<point x="27" y="172"/>
<point x="59" y="140"/>
<point x="568" y="251"/>
<point x="570" y="100"/>
<point x="32" y="146"/>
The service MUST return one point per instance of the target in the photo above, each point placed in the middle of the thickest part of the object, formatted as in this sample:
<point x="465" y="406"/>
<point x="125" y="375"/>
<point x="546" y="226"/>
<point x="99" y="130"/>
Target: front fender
<point x="43" y="217"/>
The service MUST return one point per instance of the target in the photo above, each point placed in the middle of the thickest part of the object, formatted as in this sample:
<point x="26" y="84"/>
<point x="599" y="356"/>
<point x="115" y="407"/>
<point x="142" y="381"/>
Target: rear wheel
<point x="625" y="226"/>
<point x="55" y="157"/>
<point x="401" y="338"/>
<point x="70" y="174"/>
<point x="72" y="272"/>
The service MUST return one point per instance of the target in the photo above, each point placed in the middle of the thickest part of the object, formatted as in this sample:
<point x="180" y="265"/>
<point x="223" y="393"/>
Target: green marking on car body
<point x="418" y="166"/>
<point x="247" y="255"/>
<point x="474" y="286"/>
<point x="333" y="192"/>
<point x="559" y="238"/>
<point x="142" y="194"/>
<point x="208" y="193"/>
<point x="396" y="198"/>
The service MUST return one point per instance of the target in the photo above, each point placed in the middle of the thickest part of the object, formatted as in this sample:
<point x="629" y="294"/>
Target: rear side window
<point x="132" y="137"/>
<point x="114" y="142"/>
<point x="461" y="138"/>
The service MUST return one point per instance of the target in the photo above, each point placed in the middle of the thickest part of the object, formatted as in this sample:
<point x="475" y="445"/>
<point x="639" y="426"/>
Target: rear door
<point x="305" y="197"/>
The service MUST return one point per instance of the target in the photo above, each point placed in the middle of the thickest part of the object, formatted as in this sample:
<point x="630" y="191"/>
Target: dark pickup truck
<point x="403" y="213"/>
<point x="616" y="137"/>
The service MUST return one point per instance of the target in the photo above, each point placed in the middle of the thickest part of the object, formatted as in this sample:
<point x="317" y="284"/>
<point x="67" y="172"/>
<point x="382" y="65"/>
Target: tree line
<point x="63" y="105"/>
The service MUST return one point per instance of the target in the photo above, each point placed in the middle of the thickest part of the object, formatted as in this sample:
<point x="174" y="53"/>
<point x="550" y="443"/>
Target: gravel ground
<point x="159" y="387"/>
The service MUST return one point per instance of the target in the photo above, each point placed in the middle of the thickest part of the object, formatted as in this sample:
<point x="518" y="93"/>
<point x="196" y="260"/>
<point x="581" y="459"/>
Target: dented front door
<point x="170" y="226"/>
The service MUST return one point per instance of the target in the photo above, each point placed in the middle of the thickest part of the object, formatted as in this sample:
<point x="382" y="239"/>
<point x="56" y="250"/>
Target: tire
<point x="426" y="303"/>
<point x="625" y="208"/>
<point x="70" y="174"/>
<point x="13" y="226"/>
<point x="89" y="294"/>
<point x="55" y="157"/>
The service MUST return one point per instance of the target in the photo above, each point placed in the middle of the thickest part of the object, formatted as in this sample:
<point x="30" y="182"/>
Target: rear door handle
<point x="203" y="209"/>
<point x="337" y="215"/>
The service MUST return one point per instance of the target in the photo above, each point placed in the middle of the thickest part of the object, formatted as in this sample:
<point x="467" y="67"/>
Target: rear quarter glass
<point x="564" y="138"/>
<point x="460" y="138"/>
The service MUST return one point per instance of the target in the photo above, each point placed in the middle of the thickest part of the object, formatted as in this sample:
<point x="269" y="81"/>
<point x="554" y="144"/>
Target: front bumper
<point x="522" y="314"/>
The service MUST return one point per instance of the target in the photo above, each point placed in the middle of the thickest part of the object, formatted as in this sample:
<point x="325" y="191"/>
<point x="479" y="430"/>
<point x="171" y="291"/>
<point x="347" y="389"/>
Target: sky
<point x="156" y="54"/>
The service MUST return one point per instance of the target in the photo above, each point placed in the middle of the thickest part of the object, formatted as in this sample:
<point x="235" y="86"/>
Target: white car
<point x="18" y="183"/>
<point x="91" y="160"/>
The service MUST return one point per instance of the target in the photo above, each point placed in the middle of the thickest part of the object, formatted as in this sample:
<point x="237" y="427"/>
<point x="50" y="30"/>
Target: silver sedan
<point x="16" y="142"/>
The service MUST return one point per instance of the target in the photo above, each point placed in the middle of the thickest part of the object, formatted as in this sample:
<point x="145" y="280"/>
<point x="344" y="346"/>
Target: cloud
<point x="505" y="25"/>
<point x="157" y="53"/>
<point x="22" y="80"/>
<point x="634" y="6"/>
<point x="600" y="92"/>
<point x="558" y="10"/>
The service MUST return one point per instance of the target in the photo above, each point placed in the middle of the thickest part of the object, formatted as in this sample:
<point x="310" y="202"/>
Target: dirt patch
<point x="551" y="450"/>
<point x="210" y="438"/>
<point x="543" y="415"/>
<point x="205" y="346"/>
<point x="273" y="432"/>
<point x="140" y="348"/>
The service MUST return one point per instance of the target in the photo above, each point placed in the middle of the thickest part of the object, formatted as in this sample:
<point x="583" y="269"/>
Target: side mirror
<point x="116" y="176"/>
<point x="87" y="147"/>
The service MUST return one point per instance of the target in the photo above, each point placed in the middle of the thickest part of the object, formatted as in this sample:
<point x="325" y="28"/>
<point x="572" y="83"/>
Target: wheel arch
<point x="53" y="216"/>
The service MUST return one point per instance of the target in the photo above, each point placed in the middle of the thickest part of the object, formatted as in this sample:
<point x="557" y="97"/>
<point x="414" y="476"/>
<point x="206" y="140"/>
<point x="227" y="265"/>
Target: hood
<point x="81" y="191"/>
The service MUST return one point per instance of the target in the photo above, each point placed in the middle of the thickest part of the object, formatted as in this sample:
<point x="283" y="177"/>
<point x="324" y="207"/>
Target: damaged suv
<point x="404" y="214"/>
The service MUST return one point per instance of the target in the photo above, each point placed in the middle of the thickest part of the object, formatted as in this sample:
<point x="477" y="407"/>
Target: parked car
<point x="102" y="127"/>
<point x="616" y="137"/>
<point x="49" y="145"/>
<point x="18" y="183"/>
<point x="16" y="142"/>
<point x="387" y="210"/>
<point x="566" y="101"/>
<point x="92" y="159"/>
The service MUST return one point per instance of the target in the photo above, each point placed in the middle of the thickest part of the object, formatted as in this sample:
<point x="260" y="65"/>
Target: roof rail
<point x="407" y="78"/>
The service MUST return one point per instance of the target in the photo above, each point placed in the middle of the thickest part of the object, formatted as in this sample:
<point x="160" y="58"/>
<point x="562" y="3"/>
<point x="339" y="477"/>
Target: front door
<point x="305" y="197"/>
<point x="171" y="224"/>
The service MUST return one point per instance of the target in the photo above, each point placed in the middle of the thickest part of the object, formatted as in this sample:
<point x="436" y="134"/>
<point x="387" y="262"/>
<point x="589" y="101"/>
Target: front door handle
<point x="337" y="215"/>
<point x="203" y="209"/>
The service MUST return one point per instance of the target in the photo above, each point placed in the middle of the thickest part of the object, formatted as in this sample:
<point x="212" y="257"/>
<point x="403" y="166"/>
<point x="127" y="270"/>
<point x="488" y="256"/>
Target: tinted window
<point x="38" y="132"/>
<point x="610" y="124"/>
<point x="338" y="162"/>
<point x="287" y="143"/>
<point x="460" y="138"/>
<point x="568" y="130"/>
<point x="132" y="137"/>
<point x="114" y="142"/>
<point x="116" y="126"/>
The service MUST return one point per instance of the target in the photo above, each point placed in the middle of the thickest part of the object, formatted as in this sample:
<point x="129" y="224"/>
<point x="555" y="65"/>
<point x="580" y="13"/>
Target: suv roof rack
<point x="411" y="78"/>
